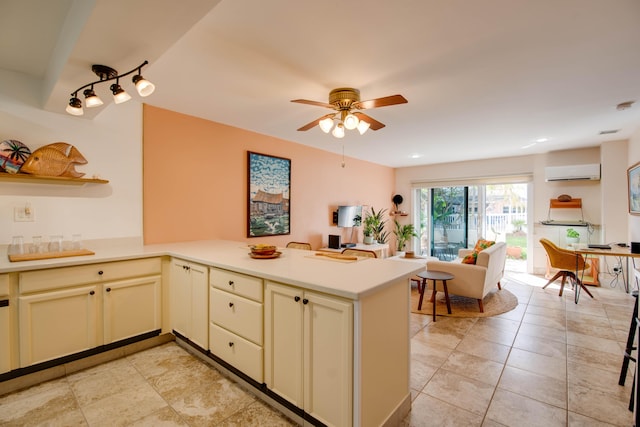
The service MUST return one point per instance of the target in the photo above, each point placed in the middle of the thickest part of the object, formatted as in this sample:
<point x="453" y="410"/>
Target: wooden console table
<point x="381" y="250"/>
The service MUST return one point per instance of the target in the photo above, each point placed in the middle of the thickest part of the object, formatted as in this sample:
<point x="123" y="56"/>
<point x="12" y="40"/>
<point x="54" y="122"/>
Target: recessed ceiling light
<point x="416" y="156"/>
<point x="528" y="145"/>
<point x="543" y="139"/>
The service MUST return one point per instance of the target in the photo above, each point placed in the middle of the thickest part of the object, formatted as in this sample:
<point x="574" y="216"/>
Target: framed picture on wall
<point x="633" y="181"/>
<point x="269" y="188"/>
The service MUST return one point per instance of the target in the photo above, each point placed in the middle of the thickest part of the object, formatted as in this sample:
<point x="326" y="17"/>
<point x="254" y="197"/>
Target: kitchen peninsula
<point x="327" y="337"/>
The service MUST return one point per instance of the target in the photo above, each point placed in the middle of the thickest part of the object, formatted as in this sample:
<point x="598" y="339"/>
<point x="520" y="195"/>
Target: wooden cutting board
<point x="49" y="255"/>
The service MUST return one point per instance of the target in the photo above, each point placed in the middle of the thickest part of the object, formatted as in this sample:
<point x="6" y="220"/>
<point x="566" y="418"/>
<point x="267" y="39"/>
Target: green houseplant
<point x="403" y="234"/>
<point x="572" y="236"/>
<point x="374" y="224"/>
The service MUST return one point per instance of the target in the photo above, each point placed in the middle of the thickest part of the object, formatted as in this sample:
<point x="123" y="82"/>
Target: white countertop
<point x="352" y="280"/>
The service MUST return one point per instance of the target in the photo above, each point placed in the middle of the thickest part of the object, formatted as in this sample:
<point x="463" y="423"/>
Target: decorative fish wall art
<point x="57" y="159"/>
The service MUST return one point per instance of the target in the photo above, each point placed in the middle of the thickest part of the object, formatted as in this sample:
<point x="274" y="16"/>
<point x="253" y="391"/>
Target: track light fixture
<point x="106" y="74"/>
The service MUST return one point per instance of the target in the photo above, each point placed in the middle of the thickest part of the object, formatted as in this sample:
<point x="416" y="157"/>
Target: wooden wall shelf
<point x="38" y="179"/>
<point x="572" y="204"/>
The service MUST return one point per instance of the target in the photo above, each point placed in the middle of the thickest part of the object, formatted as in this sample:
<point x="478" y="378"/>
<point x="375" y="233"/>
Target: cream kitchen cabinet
<point x="67" y="310"/>
<point x="309" y="351"/>
<point x="236" y="321"/>
<point x="131" y="307"/>
<point x="5" y="325"/>
<point x="189" y="301"/>
<point x="58" y="323"/>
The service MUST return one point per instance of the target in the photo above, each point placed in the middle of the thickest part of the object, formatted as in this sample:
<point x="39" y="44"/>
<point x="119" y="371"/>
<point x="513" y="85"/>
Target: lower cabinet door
<point x="283" y="316"/>
<point x="309" y="352"/>
<point x="131" y="307"/>
<point x="56" y="324"/>
<point x="5" y="339"/>
<point x="238" y="352"/>
<point x="328" y="359"/>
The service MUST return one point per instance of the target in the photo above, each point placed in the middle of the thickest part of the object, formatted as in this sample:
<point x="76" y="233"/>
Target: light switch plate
<point x="20" y="214"/>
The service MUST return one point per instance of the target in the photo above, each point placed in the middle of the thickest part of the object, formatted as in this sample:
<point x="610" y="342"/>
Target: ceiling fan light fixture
<point x="363" y="126"/>
<point x="338" y="131"/>
<point x="326" y="124"/>
<point x="350" y="121"/>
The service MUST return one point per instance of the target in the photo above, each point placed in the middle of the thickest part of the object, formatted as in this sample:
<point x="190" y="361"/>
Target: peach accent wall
<point x="195" y="182"/>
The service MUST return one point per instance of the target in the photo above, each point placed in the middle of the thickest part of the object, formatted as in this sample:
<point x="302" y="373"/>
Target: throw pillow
<point x="480" y="245"/>
<point x="483" y="244"/>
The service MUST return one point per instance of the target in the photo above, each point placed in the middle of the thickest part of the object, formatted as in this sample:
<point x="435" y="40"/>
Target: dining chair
<point x="568" y="262"/>
<point x="299" y="245"/>
<point x="359" y="252"/>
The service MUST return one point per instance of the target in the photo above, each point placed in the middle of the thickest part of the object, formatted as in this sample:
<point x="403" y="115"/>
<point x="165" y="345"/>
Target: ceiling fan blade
<point x="315" y="122"/>
<point x="317" y="103"/>
<point x="373" y="123"/>
<point x="380" y="102"/>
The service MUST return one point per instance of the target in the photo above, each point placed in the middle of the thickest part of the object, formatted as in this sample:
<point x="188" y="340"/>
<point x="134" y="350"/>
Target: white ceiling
<point x="484" y="78"/>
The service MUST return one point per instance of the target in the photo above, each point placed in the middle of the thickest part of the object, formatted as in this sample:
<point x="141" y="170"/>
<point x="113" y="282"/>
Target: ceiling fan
<point x="345" y="100"/>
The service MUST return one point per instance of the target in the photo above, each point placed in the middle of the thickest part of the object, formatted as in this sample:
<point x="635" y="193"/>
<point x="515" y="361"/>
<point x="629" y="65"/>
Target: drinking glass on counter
<point x="17" y="245"/>
<point x="55" y="243"/>
<point x="36" y="245"/>
<point x="76" y="242"/>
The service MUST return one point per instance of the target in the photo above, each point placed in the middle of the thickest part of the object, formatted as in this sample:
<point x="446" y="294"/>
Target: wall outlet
<point x="617" y="268"/>
<point x="23" y="214"/>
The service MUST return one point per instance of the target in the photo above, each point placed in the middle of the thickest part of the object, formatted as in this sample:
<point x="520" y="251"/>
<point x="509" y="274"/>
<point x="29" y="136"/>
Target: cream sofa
<point x="474" y="281"/>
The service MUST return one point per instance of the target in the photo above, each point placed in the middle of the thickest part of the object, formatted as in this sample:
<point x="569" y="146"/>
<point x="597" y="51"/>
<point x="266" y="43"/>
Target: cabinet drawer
<point x="240" y="284"/>
<point x="4" y="285"/>
<point x="238" y="352"/>
<point x="55" y="278"/>
<point x="237" y="314"/>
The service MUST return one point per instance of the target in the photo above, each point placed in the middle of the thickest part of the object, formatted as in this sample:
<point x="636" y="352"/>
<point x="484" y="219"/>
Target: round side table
<point x="434" y="276"/>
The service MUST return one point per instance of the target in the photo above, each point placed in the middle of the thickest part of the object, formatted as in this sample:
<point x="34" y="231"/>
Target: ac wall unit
<point x="573" y="173"/>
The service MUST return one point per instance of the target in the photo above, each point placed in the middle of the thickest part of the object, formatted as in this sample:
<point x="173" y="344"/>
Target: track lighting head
<point x="143" y="86"/>
<point x="91" y="99"/>
<point x="75" y="106"/>
<point x="105" y="74"/>
<point x="119" y="95"/>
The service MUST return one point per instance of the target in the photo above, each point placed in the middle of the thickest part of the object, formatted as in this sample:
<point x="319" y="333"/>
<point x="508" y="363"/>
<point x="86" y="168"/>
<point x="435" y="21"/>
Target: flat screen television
<point x="346" y="215"/>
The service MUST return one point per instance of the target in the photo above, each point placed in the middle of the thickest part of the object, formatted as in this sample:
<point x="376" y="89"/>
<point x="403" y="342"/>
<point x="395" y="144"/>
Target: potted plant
<point x="374" y="223"/>
<point x="357" y="222"/>
<point x="368" y="229"/>
<point x="403" y="234"/>
<point x="572" y="236"/>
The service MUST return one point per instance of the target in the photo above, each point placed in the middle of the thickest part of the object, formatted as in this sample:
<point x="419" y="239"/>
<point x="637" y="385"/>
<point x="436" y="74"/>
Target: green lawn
<point x="517" y="240"/>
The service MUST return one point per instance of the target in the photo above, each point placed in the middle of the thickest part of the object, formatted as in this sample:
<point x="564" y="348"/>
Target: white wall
<point x="112" y="144"/>
<point x="614" y="200"/>
<point x="592" y="192"/>
<point x="633" y="158"/>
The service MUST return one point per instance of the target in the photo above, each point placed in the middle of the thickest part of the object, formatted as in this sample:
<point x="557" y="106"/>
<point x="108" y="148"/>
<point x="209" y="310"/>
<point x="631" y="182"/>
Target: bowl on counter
<point x="263" y="250"/>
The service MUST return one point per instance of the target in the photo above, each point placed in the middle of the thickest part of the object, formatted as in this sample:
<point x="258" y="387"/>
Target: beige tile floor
<point x="549" y="362"/>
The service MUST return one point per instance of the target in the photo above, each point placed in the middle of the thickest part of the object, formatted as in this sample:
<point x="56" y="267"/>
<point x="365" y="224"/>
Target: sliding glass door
<point x="452" y="217"/>
<point x="448" y="225"/>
